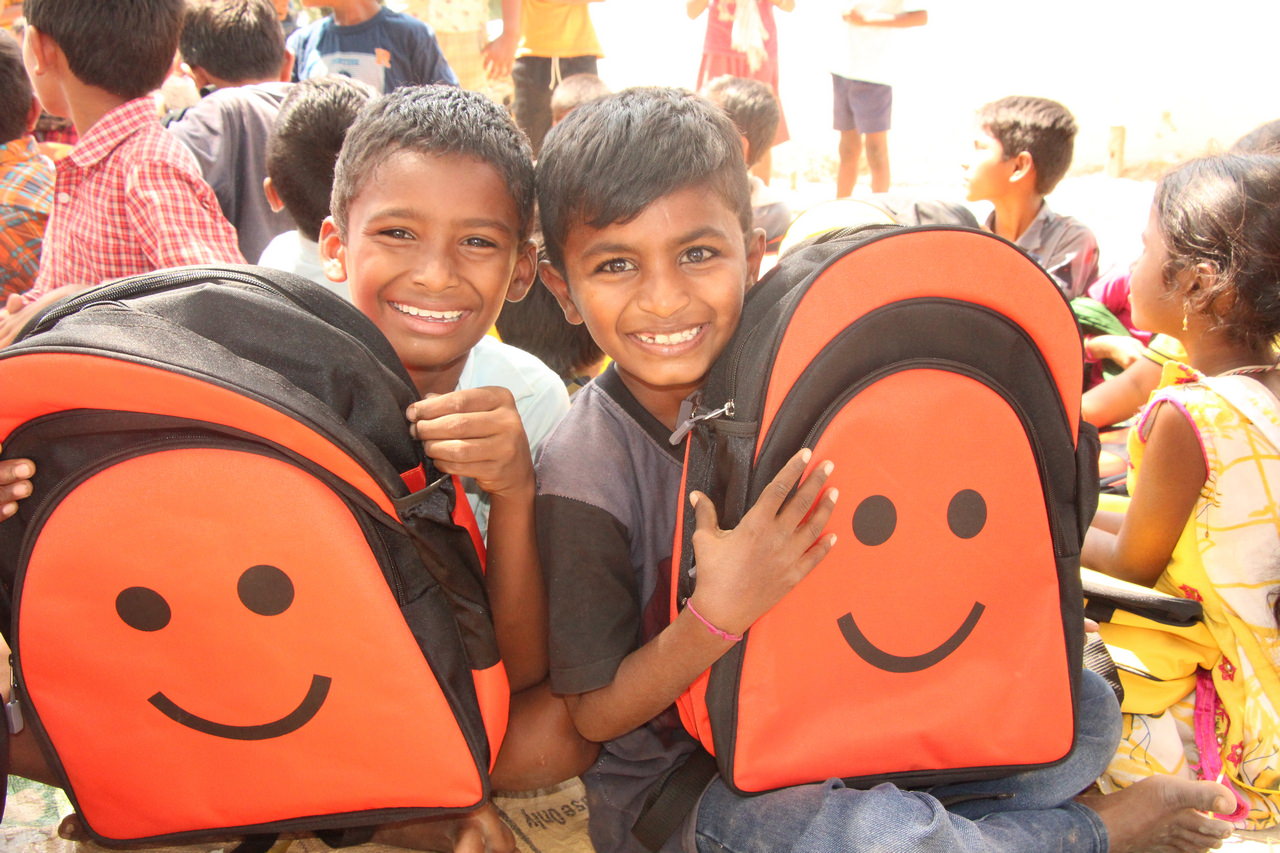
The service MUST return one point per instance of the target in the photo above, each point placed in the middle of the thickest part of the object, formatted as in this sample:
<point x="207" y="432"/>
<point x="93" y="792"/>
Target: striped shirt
<point x="26" y="194"/>
<point x="129" y="199"/>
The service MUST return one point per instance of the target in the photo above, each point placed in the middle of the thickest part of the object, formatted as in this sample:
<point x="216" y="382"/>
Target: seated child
<point x="1204" y="455"/>
<point x="26" y="177"/>
<point x="432" y="206"/>
<point x="364" y="40"/>
<point x="301" y="152"/>
<point x="754" y="110"/>
<point x="132" y="196"/>
<point x="1021" y="150"/>
<point x="655" y="260"/>
<point x="574" y="91"/>
<point x="234" y="51"/>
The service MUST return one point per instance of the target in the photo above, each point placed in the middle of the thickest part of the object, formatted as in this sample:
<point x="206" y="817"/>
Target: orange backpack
<point x="238" y="599"/>
<point x="940" y="640"/>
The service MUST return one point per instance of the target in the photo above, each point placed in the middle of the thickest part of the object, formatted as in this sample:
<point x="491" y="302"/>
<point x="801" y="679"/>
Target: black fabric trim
<point x="611" y="383"/>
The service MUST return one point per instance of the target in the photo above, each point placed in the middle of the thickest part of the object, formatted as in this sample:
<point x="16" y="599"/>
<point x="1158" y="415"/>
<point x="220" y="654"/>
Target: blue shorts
<point x="861" y="106"/>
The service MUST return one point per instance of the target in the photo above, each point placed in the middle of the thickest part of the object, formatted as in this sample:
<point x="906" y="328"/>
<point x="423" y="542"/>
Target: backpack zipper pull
<point x="13" y="708"/>
<point x="694" y="418"/>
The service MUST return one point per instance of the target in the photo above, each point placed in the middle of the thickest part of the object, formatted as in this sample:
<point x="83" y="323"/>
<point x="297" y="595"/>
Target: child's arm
<point x="899" y="20"/>
<point x="477" y="433"/>
<point x="1173" y="472"/>
<point x="694" y="8"/>
<point x="177" y="217"/>
<point x="500" y="54"/>
<point x="741" y="574"/>
<point x="1120" y="397"/>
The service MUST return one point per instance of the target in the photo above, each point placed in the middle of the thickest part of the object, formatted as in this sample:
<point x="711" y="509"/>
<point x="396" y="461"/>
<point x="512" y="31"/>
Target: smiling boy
<point x="655" y="259"/>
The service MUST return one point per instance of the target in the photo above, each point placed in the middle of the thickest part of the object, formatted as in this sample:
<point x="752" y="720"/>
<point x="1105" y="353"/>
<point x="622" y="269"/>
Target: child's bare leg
<point x="1164" y="814"/>
<point x="541" y="747"/>
<point x="480" y="831"/>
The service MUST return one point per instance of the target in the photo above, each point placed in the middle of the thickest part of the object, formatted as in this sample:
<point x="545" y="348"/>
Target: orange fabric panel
<point x="954" y="264"/>
<point x="466" y="519"/>
<point x="324" y="704"/>
<point x="814" y="706"/>
<point x="38" y="384"/>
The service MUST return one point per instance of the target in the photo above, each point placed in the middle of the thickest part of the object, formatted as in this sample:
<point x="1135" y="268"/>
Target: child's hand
<point x="1121" y="349"/>
<point x="476" y="433"/>
<point x="745" y="571"/>
<point x="15" y="484"/>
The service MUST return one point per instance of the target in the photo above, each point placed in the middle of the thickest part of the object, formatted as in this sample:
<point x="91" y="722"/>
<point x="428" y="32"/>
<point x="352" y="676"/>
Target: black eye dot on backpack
<point x="967" y="514"/>
<point x="143" y="609"/>
<point x="875" y="520"/>
<point x="265" y="590"/>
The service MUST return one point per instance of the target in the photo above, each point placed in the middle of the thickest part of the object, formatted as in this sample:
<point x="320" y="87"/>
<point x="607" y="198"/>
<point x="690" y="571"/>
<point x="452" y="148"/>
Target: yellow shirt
<point x="556" y="29"/>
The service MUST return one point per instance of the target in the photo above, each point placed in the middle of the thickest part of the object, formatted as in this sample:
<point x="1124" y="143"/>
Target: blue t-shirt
<point x="387" y="51"/>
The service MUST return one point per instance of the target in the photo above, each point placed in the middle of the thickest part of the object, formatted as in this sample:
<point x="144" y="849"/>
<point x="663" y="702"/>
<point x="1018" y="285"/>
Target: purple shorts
<point x="861" y="106"/>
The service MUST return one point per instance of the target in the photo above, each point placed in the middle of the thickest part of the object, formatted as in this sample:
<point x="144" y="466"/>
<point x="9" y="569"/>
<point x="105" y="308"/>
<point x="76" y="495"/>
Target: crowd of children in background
<point x="348" y="154"/>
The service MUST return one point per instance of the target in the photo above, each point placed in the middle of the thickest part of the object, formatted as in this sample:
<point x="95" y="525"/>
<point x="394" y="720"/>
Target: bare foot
<point x="1164" y="814"/>
<point x="480" y="831"/>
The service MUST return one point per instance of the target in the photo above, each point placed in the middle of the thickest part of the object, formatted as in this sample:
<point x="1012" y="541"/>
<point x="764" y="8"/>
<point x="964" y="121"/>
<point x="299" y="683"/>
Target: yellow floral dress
<point x="1228" y="557"/>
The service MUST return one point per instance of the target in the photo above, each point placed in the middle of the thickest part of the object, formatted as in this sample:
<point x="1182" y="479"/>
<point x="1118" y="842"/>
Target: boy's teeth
<point x="422" y="312"/>
<point x="669" y="339"/>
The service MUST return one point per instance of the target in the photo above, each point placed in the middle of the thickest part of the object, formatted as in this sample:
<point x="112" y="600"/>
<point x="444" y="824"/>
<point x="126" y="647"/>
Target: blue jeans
<point x="1034" y="811"/>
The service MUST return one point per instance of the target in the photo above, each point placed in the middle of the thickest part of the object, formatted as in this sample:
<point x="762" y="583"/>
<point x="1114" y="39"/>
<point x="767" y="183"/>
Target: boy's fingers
<point x="813" y="526"/>
<point x="807" y="495"/>
<point x="704" y="512"/>
<point x="771" y="499"/>
<point x="16" y="469"/>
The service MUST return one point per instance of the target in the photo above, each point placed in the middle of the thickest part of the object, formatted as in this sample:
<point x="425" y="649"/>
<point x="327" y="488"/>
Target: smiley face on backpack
<point x="225" y="648"/>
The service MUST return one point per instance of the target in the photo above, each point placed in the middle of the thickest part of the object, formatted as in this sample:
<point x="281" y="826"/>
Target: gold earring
<point x="1184" y="320"/>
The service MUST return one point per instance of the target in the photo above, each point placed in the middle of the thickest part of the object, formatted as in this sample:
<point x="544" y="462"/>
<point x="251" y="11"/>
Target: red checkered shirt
<point x="26" y="194"/>
<point x="130" y="199"/>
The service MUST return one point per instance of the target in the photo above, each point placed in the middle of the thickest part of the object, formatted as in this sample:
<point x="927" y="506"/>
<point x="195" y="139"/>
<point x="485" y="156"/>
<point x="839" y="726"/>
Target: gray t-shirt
<point x="608" y="483"/>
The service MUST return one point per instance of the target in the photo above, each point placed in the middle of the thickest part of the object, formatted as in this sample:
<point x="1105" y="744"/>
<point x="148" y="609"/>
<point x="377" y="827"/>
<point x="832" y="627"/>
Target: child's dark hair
<point x="125" y="47"/>
<point x="536" y="325"/>
<point x="1225" y="211"/>
<point x="436" y="120"/>
<point x="753" y="108"/>
<point x="612" y="158"/>
<point x="1039" y="126"/>
<point x="303" y="147"/>
<point x="574" y="91"/>
<point x="15" y="91"/>
<point x="1263" y="139"/>
<point x="233" y="40"/>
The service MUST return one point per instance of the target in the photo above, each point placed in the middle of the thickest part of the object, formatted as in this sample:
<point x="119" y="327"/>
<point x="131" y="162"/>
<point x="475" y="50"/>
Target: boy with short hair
<point x="129" y="199"/>
<point x="26" y="176"/>
<point x="234" y="52"/>
<point x="364" y="40"/>
<point x="301" y="153"/>
<point x="753" y="108"/>
<point x="432" y="208"/>
<point x="574" y="91"/>
<point x="1021" y="150"/>
<point x="656" y="260"/>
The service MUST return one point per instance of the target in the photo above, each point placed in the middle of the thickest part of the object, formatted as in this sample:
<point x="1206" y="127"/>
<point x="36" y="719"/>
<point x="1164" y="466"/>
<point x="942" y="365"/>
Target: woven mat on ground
<point x="552" y="820"/>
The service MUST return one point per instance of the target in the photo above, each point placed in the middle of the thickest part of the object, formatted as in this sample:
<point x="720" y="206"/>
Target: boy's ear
<point x="525" y="272"/>
<point x="33" y="115"/>
<point x="198" y="75"/>
<point x="273" y="198"/>
<point x="332" y="251"/>
<point x="755" y="254"/>
<point x="286" y="67"/>
<point x="44" y="52"/>
<point x="560" y="290"/>
<point x="1023" y="166"/>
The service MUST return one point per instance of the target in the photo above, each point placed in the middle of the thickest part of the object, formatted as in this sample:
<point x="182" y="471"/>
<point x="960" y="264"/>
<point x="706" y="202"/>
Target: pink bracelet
<point x="719" y="632"/>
